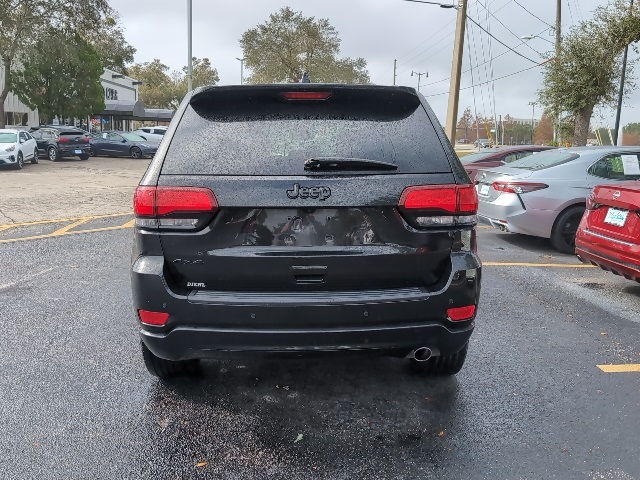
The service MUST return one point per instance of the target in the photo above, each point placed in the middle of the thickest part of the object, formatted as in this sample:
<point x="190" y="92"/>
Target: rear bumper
<point x="211" y="324"/>
<point x="619" y="258"/>
<point x="507" y="213"/>
<point x="73" y="151"/>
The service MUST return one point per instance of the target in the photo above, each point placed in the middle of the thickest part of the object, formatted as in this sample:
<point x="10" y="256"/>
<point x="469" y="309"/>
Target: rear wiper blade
<point x="342" y="163"/>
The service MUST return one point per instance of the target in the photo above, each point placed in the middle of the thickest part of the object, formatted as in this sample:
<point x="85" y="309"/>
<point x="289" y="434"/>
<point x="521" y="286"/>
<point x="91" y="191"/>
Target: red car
<point x="496" y="157"/>
<point x="609" y="233"/>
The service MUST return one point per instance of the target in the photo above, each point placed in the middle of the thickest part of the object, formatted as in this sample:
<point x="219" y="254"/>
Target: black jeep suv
<point x="298" y="218"/>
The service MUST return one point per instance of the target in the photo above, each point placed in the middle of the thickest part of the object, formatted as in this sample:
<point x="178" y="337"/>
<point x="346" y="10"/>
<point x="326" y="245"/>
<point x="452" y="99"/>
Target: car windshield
<point x="543" y="160"/>
<point x="8" y="138"/>
<point x="132" y="137"/>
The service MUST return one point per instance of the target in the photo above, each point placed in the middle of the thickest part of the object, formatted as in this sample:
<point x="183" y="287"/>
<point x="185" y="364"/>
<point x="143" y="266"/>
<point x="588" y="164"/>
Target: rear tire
<point x="167" y="369"/>
<point x="84" y="157"/>
<point x="563" y="235"/>
<point x="34" y="160"/>
<point x="443" y="365"/>
<point x="53" y="154"/>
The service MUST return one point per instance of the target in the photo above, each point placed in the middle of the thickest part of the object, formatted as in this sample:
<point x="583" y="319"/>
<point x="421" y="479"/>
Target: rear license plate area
<point x="483" y="189"/>
<point x="616" y="217"/>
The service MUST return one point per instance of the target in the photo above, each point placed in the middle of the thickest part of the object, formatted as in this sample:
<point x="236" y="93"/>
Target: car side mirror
<point x="124" y="140"/>
<point x="144" y="138"/>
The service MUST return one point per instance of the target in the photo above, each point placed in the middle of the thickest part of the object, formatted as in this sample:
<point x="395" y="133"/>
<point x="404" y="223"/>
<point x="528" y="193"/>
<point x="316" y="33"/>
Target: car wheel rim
<point x="135" y="153"/>
<point x="52" y="154"/>
<point x="569" y="229"/>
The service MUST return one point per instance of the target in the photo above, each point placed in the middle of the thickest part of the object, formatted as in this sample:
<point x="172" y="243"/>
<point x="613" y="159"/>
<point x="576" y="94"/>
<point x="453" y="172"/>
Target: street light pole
<point x="556" y="114"/>
<point x="456" y="72"/>
<point x="190" y="28"/>
<point x="241" y="60"/>
<point x="616" y="131"/>
<point x="419" y="76"/>
<point x="533" y="115"/>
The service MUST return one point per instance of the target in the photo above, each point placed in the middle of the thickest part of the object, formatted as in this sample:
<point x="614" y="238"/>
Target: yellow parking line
<point x="129" y="224"/>
<point x="525" y="264"/>
<point x="60" y="220"/>
<point x="50" y="235"/>
<point x="629" y="367"/>
<point x="63" y="230"/>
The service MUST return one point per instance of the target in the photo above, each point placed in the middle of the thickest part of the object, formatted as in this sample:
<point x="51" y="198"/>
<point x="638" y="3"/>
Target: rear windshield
<point x="8" y="138"/>
<point x="250" y="135"/>
<point x="472" y="157"/>
<point x="71" y="133"/>
<point x="543" y="160"/>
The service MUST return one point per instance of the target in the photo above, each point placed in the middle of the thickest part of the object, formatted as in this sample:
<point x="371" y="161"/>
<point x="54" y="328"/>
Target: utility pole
<point x="419" y="76"/>
<point x="456" y="71"/>
<point x="190" y="28"/>
<point x="556" y="119"/>
<point x="616" y="131"/>
<point x="395" y="69"/>
<point x="533" y="115"/>
<point x="241" y="60"/>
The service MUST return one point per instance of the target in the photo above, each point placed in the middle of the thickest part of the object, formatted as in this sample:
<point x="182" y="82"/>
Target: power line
<point x="533" y="14"/>
<point x="489" y="81"/>
<point x="499" y="41"/>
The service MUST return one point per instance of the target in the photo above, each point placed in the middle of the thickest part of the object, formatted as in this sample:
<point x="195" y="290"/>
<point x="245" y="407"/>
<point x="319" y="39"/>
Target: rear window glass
<point x="267" y="136"/>
<point x="71" y="134"/>
<point x="543" y="160"/>
<point x="472" y="157"/>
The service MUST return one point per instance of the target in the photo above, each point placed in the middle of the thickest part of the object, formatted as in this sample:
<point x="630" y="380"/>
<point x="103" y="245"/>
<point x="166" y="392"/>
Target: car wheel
<point x="563" y="235"/>
<point x="53" y="155"/>
<point x="20" y="164"/>
<point x="34" y="160"/>
<point x="166" y="369"/>
<point x="84" y="156"/>
<point x="445" y="365"/>
<point x="136" y="152"/>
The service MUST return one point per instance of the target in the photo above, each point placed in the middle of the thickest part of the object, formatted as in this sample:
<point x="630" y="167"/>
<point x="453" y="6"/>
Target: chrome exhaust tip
<point x="422" y="354"/>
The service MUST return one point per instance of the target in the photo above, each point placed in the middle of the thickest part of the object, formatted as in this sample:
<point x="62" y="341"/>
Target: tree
<point x="61" y="77"/>
<point x="631" y="134"/>
<point x="586" y="72"/>
<point x="466" y="122"/>
<point x="114" y="50"/>
<point x="23" y="21"/>
<point x="161" y="89"/>
<point x="544" y="129"/>
<point x="158" y="90"/>
<point x="289" y="44"/>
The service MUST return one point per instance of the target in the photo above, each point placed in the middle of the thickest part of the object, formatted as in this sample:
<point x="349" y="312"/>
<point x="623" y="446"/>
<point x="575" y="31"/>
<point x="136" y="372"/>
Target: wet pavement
<point x="530" y="402"/>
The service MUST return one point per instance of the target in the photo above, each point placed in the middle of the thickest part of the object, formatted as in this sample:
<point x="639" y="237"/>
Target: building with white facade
<point x="122" y="107"/>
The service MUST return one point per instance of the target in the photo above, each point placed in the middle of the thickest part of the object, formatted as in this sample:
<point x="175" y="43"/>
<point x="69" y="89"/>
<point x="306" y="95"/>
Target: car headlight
<point x="11" y="148"/>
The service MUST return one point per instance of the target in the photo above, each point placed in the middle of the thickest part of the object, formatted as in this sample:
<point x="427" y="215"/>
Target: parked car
<point x="16" y="147"/>
<point x="609" y="233"/>
<point x="60" y="143"/>
<point x="545" y="194"/>
<point x="496" y="158"/>
<point x="482" y="143"/>
<point x="305" y="218"/>
<point x="151" y="134"/>
<point x="121" y="144"/>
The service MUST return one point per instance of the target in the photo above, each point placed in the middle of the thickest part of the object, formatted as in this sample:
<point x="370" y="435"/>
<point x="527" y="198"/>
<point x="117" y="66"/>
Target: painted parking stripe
<point x="61" y="220"/>
<point x="77" y="223"/>
<point x="527" y="264"/>
<point x="623" y="368"/>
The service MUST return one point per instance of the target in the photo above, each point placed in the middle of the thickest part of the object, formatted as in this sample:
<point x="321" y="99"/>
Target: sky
<point x="419" y="36"/>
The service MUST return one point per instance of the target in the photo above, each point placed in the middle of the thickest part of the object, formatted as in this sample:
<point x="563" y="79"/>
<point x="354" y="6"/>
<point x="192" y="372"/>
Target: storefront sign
<point x="110" y="94"/>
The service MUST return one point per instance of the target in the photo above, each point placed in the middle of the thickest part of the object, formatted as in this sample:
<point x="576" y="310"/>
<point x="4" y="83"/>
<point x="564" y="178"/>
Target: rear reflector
<point x="163" y="201"/>
<point x="157" y="319"/>
<point x="306" y="95"/>
<point x="461" y="313"/>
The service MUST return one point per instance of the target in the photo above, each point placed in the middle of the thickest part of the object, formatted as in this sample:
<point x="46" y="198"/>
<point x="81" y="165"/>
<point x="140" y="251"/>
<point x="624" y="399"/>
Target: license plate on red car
<point x="616" y="217"/>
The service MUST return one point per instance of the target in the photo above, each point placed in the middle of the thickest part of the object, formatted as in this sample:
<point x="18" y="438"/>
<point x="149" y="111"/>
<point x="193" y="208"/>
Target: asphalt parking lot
<point x="551" y="387"/>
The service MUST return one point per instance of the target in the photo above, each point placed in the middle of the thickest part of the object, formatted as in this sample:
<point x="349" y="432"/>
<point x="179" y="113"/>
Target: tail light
<point x="62" y="139"/>
<point x="518" y="187"/>
<point x="439" y="205"/>
<point x="173" y="208"/>
<point x="459" y="314"/>
<point x="591" y="202"/>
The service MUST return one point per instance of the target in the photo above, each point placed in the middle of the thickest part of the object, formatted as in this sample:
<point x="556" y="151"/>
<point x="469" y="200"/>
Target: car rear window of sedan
<point x="543" y="160"/>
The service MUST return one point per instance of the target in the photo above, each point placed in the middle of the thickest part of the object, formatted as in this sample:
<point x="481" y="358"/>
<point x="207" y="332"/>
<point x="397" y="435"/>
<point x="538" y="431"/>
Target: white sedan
<point x="16" y="147"/>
